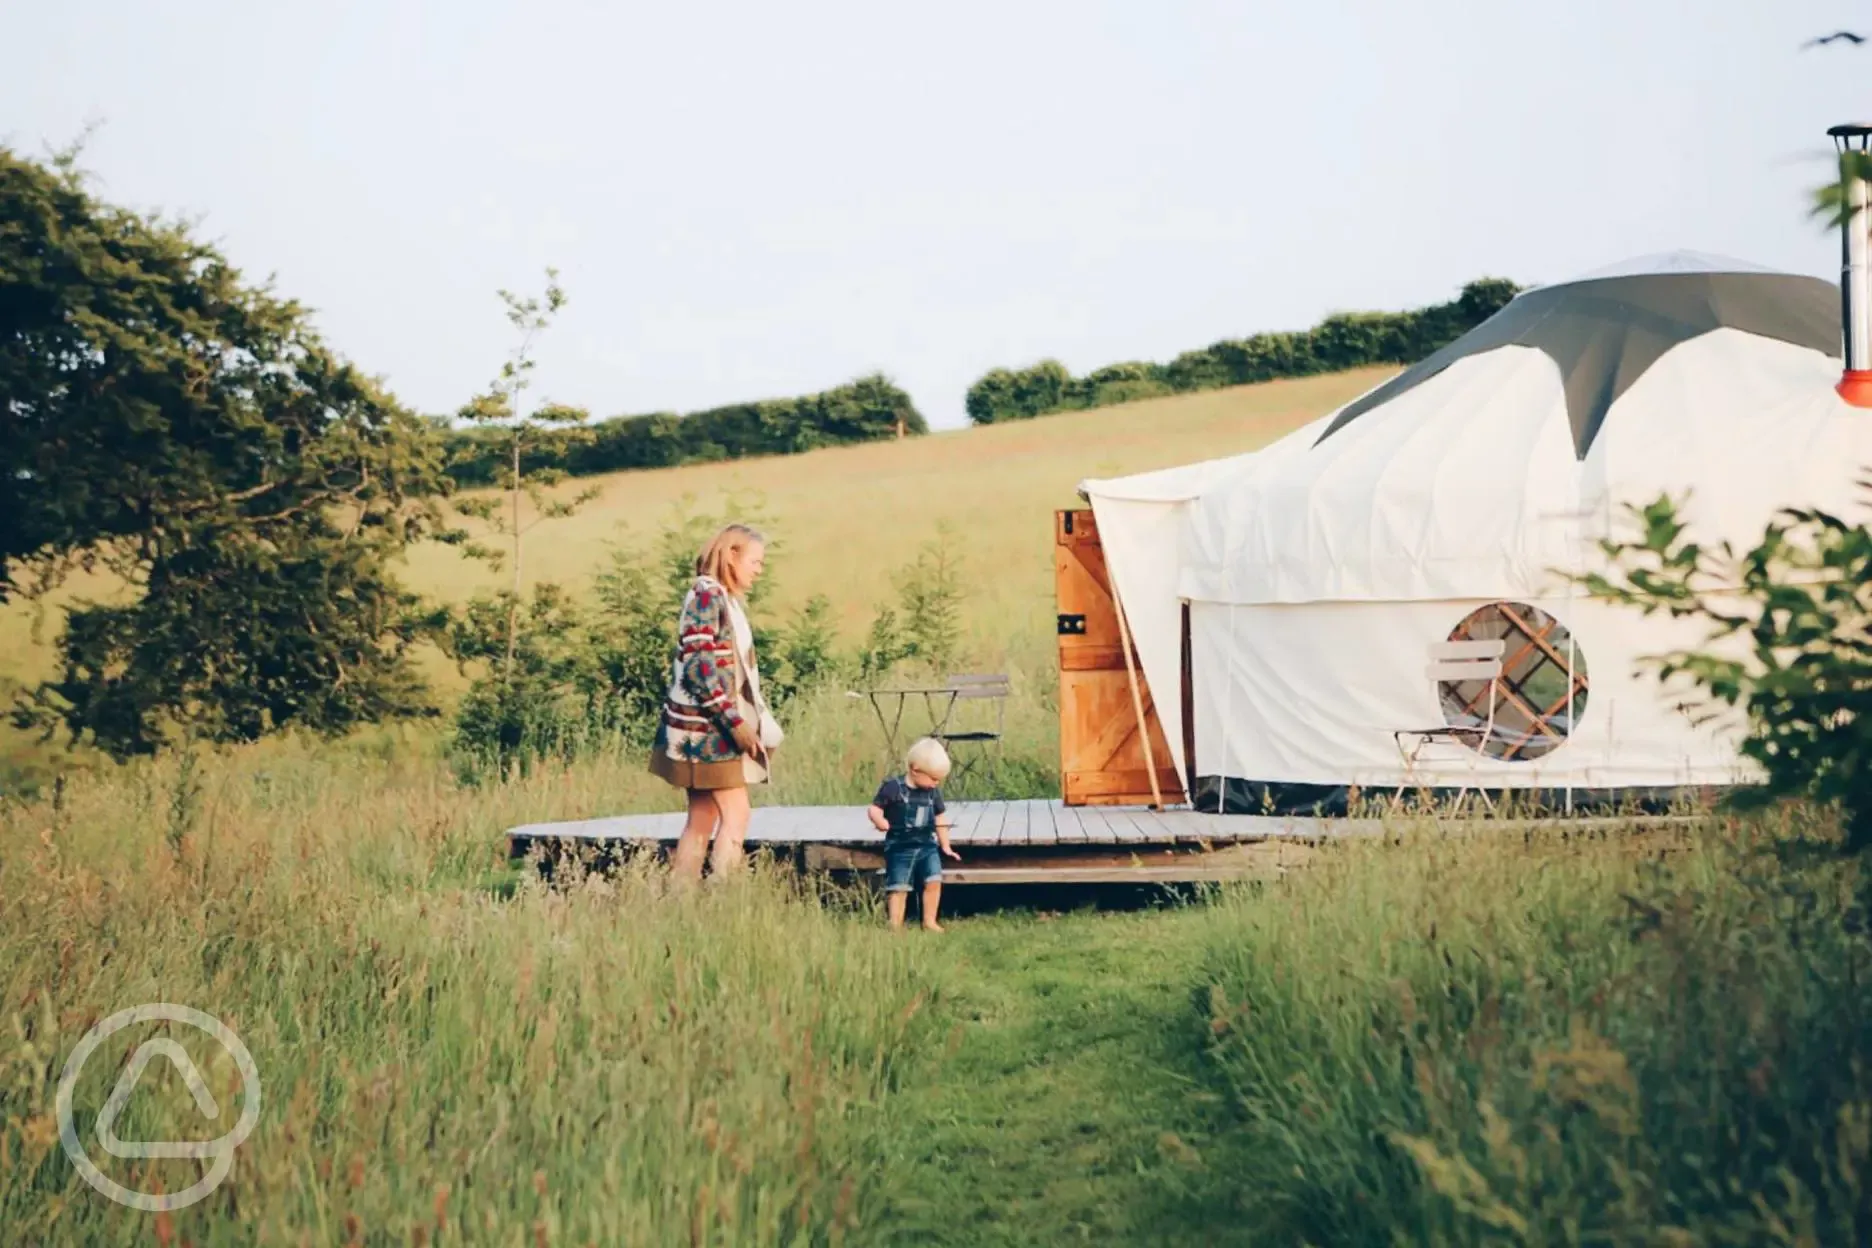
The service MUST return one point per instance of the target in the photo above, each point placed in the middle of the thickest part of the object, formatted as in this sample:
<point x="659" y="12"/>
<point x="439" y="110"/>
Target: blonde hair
<point x="929" y="757"/>
<point x="712" y="562"/>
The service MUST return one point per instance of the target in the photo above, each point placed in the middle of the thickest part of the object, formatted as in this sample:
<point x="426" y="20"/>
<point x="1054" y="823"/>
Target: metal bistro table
<point x="939" y="702"/>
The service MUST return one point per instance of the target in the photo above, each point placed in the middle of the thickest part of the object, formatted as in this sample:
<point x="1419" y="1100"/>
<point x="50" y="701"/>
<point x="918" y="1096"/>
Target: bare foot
<point x="932" y="926"/>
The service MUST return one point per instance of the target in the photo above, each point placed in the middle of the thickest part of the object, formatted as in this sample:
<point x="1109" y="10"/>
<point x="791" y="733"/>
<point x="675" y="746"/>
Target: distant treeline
<point x="866" y="410"/>
<point x="1342" y="341"/>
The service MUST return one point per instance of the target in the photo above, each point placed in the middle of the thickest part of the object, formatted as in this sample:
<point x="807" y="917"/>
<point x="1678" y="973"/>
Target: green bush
<point x="868" y="409"/>
<point x="1801" y="601"/>
<point x="588" y="674"/>
<point x="1341" y="341"/>
<point x="1112" y="393"/>
<point x="929" y="601"/>
<point x="550" y="706"/>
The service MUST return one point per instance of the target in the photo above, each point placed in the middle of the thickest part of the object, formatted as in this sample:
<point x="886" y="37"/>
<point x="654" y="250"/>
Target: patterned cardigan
<point x="700" y="711"/>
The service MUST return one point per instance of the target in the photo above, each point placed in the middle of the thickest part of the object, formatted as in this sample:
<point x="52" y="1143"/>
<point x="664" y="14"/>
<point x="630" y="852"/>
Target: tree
<point x="239" y="634"/>
<point x="930" y="595"/>
<point x="1829" y="202"/>
<point x="190" y="433"/>
<point x="500" y="407"/>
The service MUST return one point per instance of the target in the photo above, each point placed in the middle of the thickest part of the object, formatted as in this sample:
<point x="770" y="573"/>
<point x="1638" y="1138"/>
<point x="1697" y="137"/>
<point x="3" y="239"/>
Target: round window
<point x="1530" y="707"/>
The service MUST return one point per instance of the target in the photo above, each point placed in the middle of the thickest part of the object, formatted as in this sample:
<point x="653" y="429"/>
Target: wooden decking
<point x="1028" y="842"/>
<point x="1029" y="824"/>
<point x="1006" y="842"/>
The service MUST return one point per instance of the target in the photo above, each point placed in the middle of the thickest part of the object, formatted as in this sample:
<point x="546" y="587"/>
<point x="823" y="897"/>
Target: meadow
<point x="1628" y="1036"/>
<point x="844" y="517"/>
<point x="1508" y="1037"/>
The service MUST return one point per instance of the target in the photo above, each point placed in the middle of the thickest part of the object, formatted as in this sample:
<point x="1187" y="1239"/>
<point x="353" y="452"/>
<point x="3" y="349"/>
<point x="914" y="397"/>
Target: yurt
<point x="1387" y="598"/>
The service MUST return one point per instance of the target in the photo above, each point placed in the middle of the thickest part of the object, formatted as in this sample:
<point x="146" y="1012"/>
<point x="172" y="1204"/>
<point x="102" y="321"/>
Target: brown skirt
<point x="685" y="774"/>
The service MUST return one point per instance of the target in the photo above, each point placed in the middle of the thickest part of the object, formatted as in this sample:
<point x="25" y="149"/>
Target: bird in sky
<point x="1836" y="37"/>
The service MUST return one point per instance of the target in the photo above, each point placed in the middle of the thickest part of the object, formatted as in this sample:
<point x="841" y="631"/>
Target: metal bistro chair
<point x="1453" y="662"/>
<point x="973" y="687"/>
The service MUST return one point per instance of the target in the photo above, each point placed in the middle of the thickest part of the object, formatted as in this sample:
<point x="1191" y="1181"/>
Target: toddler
<point x="908" y="810"/>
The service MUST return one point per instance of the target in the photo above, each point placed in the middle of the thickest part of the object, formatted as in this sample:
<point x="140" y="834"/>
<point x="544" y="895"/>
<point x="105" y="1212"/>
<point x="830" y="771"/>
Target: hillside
<point x="844" y="518"/>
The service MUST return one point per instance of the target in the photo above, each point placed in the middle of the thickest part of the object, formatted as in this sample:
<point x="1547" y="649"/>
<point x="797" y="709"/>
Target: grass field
<point x="843" y="517"/>
<point x="1502" y="1039"/>
<point x="842" y="520"/>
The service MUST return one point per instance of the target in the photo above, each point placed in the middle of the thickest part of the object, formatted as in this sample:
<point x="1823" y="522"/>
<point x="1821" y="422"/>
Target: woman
<point x="716" y="736"/>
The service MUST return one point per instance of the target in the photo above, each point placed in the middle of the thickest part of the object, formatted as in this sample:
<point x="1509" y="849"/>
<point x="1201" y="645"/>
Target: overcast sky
<point x="749" y="200"/>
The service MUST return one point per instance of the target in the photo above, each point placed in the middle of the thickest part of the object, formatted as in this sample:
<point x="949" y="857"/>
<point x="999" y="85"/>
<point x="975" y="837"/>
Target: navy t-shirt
<point x="911" y="811"/>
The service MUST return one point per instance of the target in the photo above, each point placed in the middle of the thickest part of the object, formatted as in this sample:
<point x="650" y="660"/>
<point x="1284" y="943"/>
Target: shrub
<point x="1341" y="341"/>
<point x="930" y="595"/>
<point x="884" y="646"/>
<point x="545" y="706"/>
<point x="1800" y="601"/>
<point x="868" y="409"/>
<point x="586" y="673"/>
<point x="803" y="655"/>
<point x="593" y="673"/>
<point x="1112" y="393"/>
<point x="1015" y="395"/>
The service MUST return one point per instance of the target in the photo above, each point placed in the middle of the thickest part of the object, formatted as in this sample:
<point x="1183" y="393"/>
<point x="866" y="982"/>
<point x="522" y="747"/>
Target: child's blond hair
<point x="929" y="757"/>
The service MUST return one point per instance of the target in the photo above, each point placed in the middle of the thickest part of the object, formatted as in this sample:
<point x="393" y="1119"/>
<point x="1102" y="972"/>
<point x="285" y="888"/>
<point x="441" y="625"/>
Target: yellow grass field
<point x="843" y="519"/>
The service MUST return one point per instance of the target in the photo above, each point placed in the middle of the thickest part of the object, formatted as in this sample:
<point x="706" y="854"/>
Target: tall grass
<point x="1545" y="1038"/>
<point x="448" y="1055"/>
<point x="1552" y="1041"/>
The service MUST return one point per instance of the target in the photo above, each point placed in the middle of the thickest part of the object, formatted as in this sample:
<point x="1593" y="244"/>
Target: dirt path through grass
<point x="1068" y="1106"/>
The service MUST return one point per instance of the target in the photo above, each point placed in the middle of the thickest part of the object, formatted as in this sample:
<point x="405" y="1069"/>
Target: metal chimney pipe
<point x="1854" y="143"/>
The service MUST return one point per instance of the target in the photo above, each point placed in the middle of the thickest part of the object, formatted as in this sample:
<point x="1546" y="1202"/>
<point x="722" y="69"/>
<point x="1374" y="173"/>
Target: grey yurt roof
<point x="1606" y="329"/>
<point x="1675" y="262"/>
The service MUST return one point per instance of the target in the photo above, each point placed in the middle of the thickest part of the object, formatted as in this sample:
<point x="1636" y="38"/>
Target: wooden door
<point x="1101" y="752"/>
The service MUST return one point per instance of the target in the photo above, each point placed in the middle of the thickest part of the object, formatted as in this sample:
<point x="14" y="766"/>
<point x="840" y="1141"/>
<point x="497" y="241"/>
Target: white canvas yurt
<point x="1304" y="613"/>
